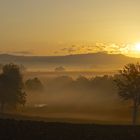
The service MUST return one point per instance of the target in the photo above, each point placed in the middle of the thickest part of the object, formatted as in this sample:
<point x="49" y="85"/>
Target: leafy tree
<point x="34" y="84"/>
<point x="128" y="83"/>
<point x="60" y="69"/>
<point x="11" y="86"/>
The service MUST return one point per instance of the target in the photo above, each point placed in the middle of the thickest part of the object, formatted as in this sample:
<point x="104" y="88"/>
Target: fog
<point x="90" y="98"/>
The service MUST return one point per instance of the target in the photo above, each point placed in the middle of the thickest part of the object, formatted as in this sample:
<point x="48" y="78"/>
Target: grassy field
<point x="11" y="129"/>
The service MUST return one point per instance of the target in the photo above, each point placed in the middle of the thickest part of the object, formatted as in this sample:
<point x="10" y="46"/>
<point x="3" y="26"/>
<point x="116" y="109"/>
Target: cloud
<point x="70" y="50"/>
<point x="22" y="52"/>
<point x="110" y="48"/>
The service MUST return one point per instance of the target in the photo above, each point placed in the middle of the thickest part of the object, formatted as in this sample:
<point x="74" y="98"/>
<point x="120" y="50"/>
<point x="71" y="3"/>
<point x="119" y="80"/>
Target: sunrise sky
<point x="59" y="27"/>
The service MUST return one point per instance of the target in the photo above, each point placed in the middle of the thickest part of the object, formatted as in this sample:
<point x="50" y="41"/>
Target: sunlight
<point x="131" y="50"/>
<point x="137" y="47"/>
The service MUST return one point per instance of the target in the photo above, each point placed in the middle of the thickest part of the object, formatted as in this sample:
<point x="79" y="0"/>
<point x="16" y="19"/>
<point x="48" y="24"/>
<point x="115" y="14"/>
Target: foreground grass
<point x="32" y="130"/>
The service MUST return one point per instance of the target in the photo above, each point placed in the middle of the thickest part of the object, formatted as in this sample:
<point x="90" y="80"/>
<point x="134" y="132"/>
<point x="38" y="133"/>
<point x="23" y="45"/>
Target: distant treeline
<point x="82" y="84"/>
<point x="100" y="85"/>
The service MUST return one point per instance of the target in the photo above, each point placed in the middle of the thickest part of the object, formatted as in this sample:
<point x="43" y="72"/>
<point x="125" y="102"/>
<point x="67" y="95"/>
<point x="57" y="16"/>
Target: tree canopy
<point x="128" y="83"/>
<point x="11" y="86"/>
<point x="34" y="84"/>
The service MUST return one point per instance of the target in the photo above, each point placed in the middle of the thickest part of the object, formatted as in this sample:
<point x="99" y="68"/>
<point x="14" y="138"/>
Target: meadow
<point x="34" y="130"/>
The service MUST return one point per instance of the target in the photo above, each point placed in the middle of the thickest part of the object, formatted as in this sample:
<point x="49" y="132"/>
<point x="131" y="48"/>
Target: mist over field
<point x="79" y="87"/>
<point x="79" y="96"/>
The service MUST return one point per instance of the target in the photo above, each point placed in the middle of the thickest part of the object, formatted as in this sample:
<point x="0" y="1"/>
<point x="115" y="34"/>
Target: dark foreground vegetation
<point x="32" y="130"/>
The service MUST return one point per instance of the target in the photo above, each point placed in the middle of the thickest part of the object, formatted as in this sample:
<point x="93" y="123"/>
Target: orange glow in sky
<point x="59" y="27"/>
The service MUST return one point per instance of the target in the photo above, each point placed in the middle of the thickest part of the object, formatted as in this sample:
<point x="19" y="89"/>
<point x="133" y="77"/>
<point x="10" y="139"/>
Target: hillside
<point x="77" y="61"/>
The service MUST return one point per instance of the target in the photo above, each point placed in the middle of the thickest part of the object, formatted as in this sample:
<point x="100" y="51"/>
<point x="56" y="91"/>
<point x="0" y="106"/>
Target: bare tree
<point x="128" y="83"/>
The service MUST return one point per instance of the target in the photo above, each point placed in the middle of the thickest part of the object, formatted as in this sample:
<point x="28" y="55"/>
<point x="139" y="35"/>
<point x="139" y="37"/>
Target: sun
<point x="137" y="47"/>
<point x="133" y="50"/>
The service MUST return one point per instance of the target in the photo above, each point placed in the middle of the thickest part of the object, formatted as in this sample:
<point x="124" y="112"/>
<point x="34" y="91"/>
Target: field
<point x="38" y="130"/>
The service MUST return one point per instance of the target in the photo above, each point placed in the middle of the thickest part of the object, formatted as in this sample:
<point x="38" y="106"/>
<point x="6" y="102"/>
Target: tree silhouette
<point x="34" y="84"/>
<point x="128" y="83"/>
<point x="11" y="86"/>
<point x="60" y="69"/>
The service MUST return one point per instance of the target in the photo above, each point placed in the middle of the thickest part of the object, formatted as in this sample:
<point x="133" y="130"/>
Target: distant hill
<point x="77" y="61"/>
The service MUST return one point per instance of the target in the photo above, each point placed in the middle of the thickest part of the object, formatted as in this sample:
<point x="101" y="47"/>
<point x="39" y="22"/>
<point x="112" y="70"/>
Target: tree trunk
<point x="135" y="112"/>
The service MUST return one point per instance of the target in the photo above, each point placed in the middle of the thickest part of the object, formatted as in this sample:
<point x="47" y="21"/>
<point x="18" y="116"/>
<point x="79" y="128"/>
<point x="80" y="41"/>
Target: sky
<point x="59" y="27"/>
